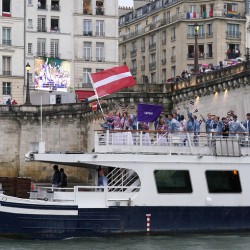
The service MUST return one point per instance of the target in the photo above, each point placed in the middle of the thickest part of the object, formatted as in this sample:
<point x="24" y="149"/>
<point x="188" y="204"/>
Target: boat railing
<point x="71" y="195"/>
<point x="177" y="142"/>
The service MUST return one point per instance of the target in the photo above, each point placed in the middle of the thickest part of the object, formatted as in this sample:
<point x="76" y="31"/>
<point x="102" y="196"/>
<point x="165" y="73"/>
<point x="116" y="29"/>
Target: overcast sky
<point x="125" y="2"/>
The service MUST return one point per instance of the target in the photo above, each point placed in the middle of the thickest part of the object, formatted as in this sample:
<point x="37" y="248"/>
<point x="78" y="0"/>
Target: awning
<point x="83" y="94"/>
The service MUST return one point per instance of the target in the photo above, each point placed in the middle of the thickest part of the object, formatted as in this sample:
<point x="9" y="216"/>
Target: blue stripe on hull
<point x="115" y="220"/>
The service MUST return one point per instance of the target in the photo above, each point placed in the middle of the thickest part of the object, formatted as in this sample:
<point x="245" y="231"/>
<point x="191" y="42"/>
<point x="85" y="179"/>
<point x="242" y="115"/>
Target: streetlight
<point x="27" y="102"/>
<point x="196" y="48"/>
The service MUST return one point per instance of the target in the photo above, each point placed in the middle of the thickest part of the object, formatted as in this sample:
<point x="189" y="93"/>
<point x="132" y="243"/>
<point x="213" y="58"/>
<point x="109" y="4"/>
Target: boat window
<point x="173" y="181"/>
<point x="223" y="181"/>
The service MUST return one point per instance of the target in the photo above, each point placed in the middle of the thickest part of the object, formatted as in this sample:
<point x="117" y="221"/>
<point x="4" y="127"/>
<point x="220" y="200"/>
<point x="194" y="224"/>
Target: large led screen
<point x="52" y="74"/>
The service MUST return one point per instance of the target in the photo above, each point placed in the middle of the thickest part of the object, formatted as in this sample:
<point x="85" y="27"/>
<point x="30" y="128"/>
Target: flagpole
<point x="96" y="94"/>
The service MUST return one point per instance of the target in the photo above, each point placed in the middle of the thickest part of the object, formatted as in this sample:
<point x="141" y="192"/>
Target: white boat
<point x="169" y="185"/>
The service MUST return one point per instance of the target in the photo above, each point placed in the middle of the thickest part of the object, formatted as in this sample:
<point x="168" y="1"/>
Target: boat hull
<point x="125" y="220"/>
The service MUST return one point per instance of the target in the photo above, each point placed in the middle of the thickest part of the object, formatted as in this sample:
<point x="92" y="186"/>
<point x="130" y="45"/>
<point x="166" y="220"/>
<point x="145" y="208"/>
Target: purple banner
<point x="148" y="112"/>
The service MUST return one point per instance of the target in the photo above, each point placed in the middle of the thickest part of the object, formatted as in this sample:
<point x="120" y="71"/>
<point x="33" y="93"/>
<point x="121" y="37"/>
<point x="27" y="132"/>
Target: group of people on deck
<point x="175" y="123"/>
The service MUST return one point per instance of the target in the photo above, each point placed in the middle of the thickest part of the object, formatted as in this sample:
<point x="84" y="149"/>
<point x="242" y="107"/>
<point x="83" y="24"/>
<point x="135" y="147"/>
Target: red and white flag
<point x="111" y="80"/>
<point x="94" y="106"/>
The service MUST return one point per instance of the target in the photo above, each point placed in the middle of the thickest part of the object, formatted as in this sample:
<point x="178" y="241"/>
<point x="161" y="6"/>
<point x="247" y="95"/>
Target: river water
<point x="187" y="242"/>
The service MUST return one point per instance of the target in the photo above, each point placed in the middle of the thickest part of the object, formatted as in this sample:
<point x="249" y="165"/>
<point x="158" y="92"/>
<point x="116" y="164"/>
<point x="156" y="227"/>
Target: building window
<point x="173" y="181"/>
<point x="42" y="4"/>
<point x="6" y="88"/>
<point x="6" y="8"/>
<point x="209" y="29"/>
<point x="124" y="51"/>
<point x="87" y="51"/>
<point x="30" y="48"/>
<point x="99" y="70"/>
<point x="55" y="5"/>
<point x="164" y="75"/>
<point x="30" y="24"/>
<point x="173" y="34"/>
<point x="163" y="37"/>
<point x="143" y="44"/>
<point x="54" y="25"/>
<point x="100" y="52"/>
<point x="54" y="48"/>
<point x="99" y="28"/>
<point x="86" y="79"/>
<point x="137" y="29"/>
<point x="210" y="50"/>
<point x="41" y="24"/>
<point x="87" y="27"/>
<point x="223" y="181"/>
<point x="233" y="30"/>
<point x="6" y="36"/>
<point x="192" y="8"/>
<point x="6" y="66"/>
<point x="41" y="47"/>
<point x="30" y="2"/>
<point x="153" y="77"/>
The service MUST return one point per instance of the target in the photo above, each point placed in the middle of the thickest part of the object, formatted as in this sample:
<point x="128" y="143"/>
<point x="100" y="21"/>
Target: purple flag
<point x="148" y="112"/>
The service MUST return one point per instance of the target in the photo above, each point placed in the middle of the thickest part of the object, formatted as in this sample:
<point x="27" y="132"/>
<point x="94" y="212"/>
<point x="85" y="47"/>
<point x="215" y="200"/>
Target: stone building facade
<point x="157" y="40"/>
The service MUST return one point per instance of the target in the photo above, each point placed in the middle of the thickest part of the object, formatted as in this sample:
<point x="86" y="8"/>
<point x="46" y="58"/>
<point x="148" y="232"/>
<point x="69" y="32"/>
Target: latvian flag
<point x="111" y="80"/>
<point x="94" y="106"/>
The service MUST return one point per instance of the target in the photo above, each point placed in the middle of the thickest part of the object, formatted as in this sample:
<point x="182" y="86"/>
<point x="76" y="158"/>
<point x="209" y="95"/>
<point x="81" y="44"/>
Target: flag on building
<point x="94" y="106"/>
<point x="111" y="80"/>
<point x="148" y="112"/>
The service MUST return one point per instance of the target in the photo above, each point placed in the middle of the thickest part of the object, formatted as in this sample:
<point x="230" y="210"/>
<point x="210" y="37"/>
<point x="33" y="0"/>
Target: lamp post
<point x="27" y="102"/>
<point x="196" y="48"/>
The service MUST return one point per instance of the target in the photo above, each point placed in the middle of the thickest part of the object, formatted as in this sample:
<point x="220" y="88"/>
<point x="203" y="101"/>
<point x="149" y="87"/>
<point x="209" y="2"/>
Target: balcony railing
<point x="98" y="33"/>
<point x="133" y="53"/>
<point x="210" y="34"/>
<point x="6" y="73"/>
<point x="6" y="42"/>
<point x="163" y="61"/>
<point x="99" y="11"/>
<point x="152" y="65"/>
<point x="133" y="71"/>
<point x="192" y="35"/>
<point x="173" y="58"/>
<point x="87" y="11"/>
<point x="233" y="35"/>
<point x="152" y="46"/>
<point x="55" y="7"/>
<point x="41" y="53"/>
<point x="209" y="55"/>
<point x="190" y="55"/>
<point x="41" y="29"/>
<point x="100" y="59"/>
<point x="55" y="55"/>
<point x="87" y="58"/>
<point x="87" y="33"/>
<point x="55" y="29"/>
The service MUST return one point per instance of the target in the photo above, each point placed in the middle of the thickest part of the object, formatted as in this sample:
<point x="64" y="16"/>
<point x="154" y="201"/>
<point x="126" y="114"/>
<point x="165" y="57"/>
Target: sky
<point x="125" y="2"/>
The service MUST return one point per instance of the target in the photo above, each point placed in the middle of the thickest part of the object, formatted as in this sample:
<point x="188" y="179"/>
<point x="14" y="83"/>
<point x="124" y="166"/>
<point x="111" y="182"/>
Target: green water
<point x="187" y="242"/>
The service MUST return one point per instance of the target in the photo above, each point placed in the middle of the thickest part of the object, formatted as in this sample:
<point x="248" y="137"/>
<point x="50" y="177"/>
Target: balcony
<point x="54" y="29"/>
<point x="6" y="73"/>
<point x="173" y="58"/>
<point x="41" y="29"/>
<point x="55" y="7"/>
<point x="55" y="55"/>
<point x="192" y="35"/>
<point x="99" y="33"/>
<point x="6" y="42"/>
<point x="100" y="59"/>
<point x="164" y="61"/>
<point x="87" y="58"/>
<point x="209" y="55"/>
<point x="152" y="46"/>
<point x="233" y="35"/>
<point x="87" y="11"/>
<point x="40" y="53"/>
<point x="133" y="53"/>
<point x="152" y="65"/>
<point x="133" y="71"/>
<point x="87" y="33"/>
<point x="210" y="34"/>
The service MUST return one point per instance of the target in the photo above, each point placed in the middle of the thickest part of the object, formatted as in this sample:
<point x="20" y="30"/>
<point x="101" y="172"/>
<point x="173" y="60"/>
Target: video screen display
<point x="52" y="74"/>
